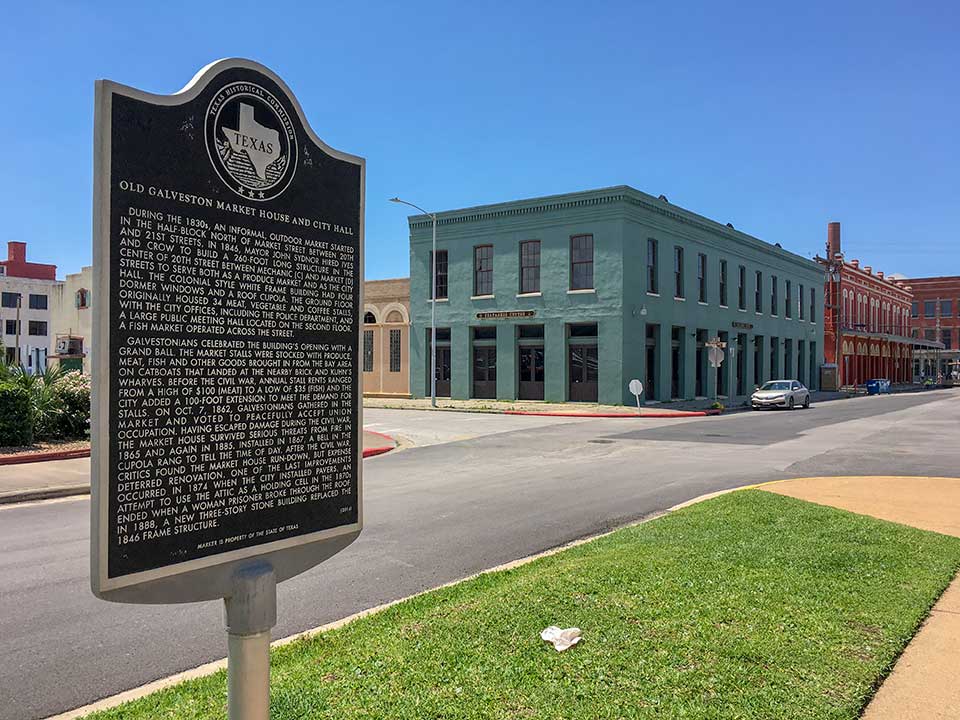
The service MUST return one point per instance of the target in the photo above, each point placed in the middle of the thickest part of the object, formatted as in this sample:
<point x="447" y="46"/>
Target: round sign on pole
<point x="636" y="387"/>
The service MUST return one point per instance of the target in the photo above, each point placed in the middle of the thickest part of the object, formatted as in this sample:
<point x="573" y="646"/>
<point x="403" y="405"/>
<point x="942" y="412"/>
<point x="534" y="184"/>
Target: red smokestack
<point x="833" y="239"/>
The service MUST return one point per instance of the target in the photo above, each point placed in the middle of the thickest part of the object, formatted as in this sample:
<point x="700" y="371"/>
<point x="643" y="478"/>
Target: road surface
<point x="510" y="487"/>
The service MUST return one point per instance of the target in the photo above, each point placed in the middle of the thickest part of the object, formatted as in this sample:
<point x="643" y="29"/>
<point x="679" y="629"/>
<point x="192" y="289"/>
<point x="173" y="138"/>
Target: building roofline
<point x="384" y="280"/>
<point x="951" y="278"/>
<point x="587" y="198"/>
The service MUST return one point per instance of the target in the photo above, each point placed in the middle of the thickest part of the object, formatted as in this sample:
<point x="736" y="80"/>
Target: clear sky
<point x="777" y="117"/>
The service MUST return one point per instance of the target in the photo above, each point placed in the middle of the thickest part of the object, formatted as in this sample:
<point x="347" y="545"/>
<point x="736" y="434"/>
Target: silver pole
<point x="433" y="318"/>
<point x="251" y="611"/>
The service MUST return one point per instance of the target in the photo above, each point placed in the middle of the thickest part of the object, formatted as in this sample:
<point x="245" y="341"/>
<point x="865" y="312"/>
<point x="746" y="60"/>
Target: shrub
<point x="16" y="423"/>
<point x="72" y="393"/>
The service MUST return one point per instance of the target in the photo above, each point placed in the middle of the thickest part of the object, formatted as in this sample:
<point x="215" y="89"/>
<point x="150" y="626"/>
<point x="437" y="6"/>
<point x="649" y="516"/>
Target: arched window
<point x="82" y="298"/>
<point x="369" y="318"/>
<point x="394" y="316"/>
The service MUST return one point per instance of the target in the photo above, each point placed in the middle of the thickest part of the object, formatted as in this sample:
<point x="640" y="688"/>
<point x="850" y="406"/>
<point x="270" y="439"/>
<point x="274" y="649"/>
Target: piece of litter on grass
<point x="561" y="639"/>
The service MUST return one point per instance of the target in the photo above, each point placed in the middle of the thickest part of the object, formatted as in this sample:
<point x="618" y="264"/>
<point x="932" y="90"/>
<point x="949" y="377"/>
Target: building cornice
<point x="620" y="194"/>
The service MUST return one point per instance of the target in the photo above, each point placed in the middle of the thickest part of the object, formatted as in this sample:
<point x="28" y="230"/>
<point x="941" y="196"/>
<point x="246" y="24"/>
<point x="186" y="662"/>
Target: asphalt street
<point x="436" y="513"/>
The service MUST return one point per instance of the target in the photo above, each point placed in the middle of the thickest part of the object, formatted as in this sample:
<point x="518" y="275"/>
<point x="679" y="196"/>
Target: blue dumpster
<point x="878" y="386"/>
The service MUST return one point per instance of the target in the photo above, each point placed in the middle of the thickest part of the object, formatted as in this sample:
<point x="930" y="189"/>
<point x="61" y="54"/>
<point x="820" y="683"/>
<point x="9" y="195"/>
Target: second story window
<point x="678" y="271"/>
<point x="530" y="266"/>
<point x="813" y="304"/>
<point x="653" y="284"/>
<point x="581" y="262"/>
<point x="929" y="308"/>
<point x="440" y="274"/>
<point x="9" y="299"/>
<point x="38" y="302"/>
<point x="37" y="327"/>
<point x="742" y="288"/>
<point x="702" y="278"/>
<point x="773" y="295"/>
<point x="82" y="298"/>
<point x="483" y="270"/>
<point x="800" y="300"/>
<point x="758" y="293"/>
<point x="788" y="301"/>
<point x="915" y="309"/>
<point x="946" y="308"/>
<point x="723" y="283"/>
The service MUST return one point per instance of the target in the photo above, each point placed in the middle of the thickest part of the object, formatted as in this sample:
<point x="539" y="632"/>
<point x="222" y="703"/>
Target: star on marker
<point x="240" y="190"/>
<point x="261" y="196"/>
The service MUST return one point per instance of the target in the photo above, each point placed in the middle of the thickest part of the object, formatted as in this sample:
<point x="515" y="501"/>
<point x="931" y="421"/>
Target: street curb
<point x="217" y="665"/>
<point x="51" y="493"/>
<point x="42" y="457"/>
<point x="677" y="414"/>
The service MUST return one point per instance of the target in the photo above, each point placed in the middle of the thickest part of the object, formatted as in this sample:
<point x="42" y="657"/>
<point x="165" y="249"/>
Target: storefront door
<point x="485" y="372"/>
<point x="583" y="373"/>
<point x="443" y="370"/>
<point x="531" y="373"/>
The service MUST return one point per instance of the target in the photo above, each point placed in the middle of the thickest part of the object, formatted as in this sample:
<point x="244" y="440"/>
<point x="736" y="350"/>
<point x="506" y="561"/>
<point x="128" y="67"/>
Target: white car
<point x="780" y="393"/>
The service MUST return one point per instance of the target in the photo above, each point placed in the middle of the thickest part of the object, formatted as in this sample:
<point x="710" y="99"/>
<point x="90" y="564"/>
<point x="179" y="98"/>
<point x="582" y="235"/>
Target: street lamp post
<point x="433" y="300"/>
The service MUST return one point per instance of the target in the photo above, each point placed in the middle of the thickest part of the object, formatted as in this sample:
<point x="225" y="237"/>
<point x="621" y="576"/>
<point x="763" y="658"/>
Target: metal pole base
<point x="251" y="611"/>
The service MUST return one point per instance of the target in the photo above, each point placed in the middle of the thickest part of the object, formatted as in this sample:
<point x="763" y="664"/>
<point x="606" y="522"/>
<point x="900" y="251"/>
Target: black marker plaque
<point x="228" y="394"/>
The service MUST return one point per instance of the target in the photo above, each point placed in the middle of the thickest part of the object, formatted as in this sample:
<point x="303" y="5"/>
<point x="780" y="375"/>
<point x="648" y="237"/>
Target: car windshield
<point x="776" y="385"/>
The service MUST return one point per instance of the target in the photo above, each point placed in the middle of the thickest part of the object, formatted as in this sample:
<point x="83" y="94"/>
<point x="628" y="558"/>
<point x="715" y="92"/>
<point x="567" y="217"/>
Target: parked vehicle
<point x="780" y="394"/>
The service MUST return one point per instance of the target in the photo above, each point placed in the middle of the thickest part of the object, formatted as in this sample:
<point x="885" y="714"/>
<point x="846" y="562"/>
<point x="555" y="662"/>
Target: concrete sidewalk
<point x="680" y="408"/>
<point x="28" y="482"/>
<point x="923" y="683"/>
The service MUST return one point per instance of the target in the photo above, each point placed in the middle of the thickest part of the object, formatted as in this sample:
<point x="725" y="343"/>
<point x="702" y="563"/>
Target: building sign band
<point x="505" y="314"/>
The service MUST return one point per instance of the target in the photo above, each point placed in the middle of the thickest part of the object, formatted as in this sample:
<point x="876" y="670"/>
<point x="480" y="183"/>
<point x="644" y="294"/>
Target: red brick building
<point x="16" y="264"/>
<point x="934" y="318"/>
<point x="866" y="319"/>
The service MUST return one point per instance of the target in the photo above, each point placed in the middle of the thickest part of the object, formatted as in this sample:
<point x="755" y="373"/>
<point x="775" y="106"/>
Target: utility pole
<point x="17" y="354"/>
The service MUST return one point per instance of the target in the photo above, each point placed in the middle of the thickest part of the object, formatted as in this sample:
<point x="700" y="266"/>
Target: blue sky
<point x="777" y="119"/>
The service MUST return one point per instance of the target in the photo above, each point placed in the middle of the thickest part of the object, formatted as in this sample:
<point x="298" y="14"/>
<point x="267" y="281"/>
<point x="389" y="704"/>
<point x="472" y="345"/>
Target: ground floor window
<point x="723" y="372"/>
<point x="774" y="364"/>
<point x="741" y="363"/>
<point x="395" y="339"/>
<point x="368" y="350"/>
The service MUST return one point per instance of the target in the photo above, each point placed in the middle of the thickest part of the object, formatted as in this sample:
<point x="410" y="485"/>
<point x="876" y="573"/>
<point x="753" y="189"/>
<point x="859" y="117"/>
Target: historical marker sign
<point x="228" y="254"/>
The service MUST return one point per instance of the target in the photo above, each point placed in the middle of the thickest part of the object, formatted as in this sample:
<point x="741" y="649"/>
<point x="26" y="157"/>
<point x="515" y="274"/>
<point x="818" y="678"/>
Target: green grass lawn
<point x="750" y="605"/>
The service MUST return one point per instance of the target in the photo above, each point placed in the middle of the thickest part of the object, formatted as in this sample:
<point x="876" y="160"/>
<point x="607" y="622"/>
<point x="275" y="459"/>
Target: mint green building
<point x="569" y="297"/>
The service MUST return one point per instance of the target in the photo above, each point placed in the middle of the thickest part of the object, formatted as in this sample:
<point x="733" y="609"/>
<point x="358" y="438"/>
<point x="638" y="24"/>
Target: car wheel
<point x="790" y="405"/>
<point x="806" y="402"/>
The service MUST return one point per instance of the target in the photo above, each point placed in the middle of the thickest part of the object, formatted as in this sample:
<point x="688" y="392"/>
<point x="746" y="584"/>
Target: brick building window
<point x="368" y="350"/>
<point x="702" y="278"/>
<point x="723" y="283"/>
<point x="581" y="262"/>
<point x="440" y="275"/>
<point x="395" y="350"/>
<point x="742" y="288"/>
<point x="678" y="271"/>
<point x="653" y="284"/>
<point x="945" y="334"/>
<point x="483" y="270"/>
<point x="929" y="308"/>
<point x="530" y="266"/>
<point x="915" y="309"/>
<point x="946" y="308"/>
